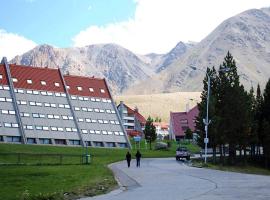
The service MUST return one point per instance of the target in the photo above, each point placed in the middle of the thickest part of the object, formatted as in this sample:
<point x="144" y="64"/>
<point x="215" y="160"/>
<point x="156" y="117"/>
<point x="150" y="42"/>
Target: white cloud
<point x="158" y="25"/>
<point x="12" y="44"/>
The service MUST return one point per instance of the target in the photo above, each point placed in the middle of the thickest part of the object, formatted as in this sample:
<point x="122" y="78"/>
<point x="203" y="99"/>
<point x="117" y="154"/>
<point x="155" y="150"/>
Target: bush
<point x="161" y="145"/>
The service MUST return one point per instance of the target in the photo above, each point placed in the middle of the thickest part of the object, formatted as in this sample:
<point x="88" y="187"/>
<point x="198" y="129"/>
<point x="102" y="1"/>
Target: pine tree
<point x="150" y="131"/>
<point x="266" y="124"/>
<point x="188" y="134"/>
<point x="229" y="105"/>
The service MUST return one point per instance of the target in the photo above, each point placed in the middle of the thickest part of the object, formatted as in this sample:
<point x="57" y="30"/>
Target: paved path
<point x="167" y="179"/>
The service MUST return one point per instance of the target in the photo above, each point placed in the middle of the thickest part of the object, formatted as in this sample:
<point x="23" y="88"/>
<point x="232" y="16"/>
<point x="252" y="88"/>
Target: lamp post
<point x="206" y="121"/>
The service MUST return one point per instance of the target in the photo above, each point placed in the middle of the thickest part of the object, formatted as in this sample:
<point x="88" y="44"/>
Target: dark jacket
<point x="128" y="156"/>
<point x="138" y="155"/>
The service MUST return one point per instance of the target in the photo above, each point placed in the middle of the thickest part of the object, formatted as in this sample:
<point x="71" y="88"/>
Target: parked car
<point x="182" y="152"/>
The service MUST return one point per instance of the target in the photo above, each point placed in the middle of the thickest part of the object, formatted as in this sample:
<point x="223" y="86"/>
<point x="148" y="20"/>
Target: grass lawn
<point x="52" y="181"/>
<point x="248" y="169"/>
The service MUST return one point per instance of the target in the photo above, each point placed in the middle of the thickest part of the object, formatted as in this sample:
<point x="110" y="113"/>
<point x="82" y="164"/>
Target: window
<point x="43" y="82"/>
<point x="6" y="124"/>
<point x="73" y="97"/>
<point x="104" y="100"/>
<point x="108" y="111"/>
<point x="70" y="117"/>
<point x="2" y="99"/>
<point x="65" y="117"/>
<point x="76" y="108"/>
<point x="29" y="92"/>
<point x="92" y="131"/>
<point x="63" y="95"/>
<point x="96" y="110"/>
<point x="112" y="122"/>
<point x="61" y="105"/>
<point x="102" y="90"/>
<point x="91" y="89"/>
<point x="53" y="128"/>
<point x="84" y="109"/>
<point x="68" y="87"/>
<point x="80" y="98"/>
<point x="38" y="104"/>
<point x="110" y="132"/>
<point x="41" y="116"/>
<point x="13" y="138"/>
<point x="104" y="132"/>
<point x="57" y="94"/>
<point x="113" y="111"/>
<point x="45" y="128"/>
<point x="8" y="100"/>
<point x="116" y="133"/>
<point x="80" y="119"/>
<point x="35" y="115"/>
<point x="79" y="88"/>
<point x="60" y="129"/>
<point x="98" y="100"/>
<point x="100" y="121"/>
<point x="116" y="122"/>
<point x="20" y="91"/>
<point x="89" y="110"/>
<point x="43" y="93"/>
<point x="38" y="127"/>
<point x="29" y="127"/>
<point x="35" y="92"/>
<point x="74" y="142"/>
<point x="97" y="132"/>
<point x="109" y="101"/>
<point x="47" y="104"/>
<point x="49" y="93"/>
<point x="14" y="125"/>
<point x="1" y="76"/>
<point x="85" y="98"/>
<point x="121" y="133"/>
<point x="101" y="110"/>
<point x="94" y="121"/>
<point x="14" y="80"/>
<point x="53" y="105"/>
<point x="84" y="131"/>
<point x="25" y="114"/>
<point x="50" y="116"/>
<point x="88" y="120"/>
<point x="56" y="117"/>
<point x="4" y="111"/>
<point x="6" y="88"/>
<point x="44" y="141"/>
<point x="183" y="121"/>
<point x="67" y="106"/>
<point x="57" y="84"/>
<point x="74" y="129"/>
<point x="93" y="99"/>
<point x="11" y="112"/>
<point x="29" y="81"/>
<point x="68" y="129"/>
<point x="105" y="121"/>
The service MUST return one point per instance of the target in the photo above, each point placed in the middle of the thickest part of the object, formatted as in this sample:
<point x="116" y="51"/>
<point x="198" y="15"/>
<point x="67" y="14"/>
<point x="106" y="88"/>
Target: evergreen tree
<point x="229" y="106"/>
<point x="150" y="131"/>
<point x="188" y="134"/>
<point x="266" y="124"/>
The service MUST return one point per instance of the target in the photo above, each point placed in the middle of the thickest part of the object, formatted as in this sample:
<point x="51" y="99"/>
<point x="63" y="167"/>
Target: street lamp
<point x="206" y="121"/>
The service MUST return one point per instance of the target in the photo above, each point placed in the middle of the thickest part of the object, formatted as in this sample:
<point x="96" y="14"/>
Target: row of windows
<point x="64" y="117"/>
<point x="56" y="84"/>
<point x="70" y="129"/>
<point x="57" y="94"/>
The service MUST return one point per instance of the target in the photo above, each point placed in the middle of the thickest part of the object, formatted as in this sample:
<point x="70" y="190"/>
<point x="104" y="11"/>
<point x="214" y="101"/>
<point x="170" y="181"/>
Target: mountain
<point x="118" y="65"/>
<point x="246" y="36"/>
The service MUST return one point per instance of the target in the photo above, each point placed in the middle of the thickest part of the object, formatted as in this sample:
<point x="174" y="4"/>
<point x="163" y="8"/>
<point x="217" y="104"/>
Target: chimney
<point x="136" y="109"/>
<point x="121" y="109"/>
<point x="187" y="107"/>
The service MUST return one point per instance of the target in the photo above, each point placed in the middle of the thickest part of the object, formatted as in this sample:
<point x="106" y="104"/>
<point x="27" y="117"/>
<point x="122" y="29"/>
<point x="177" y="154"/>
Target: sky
<point x="142" y="26"/>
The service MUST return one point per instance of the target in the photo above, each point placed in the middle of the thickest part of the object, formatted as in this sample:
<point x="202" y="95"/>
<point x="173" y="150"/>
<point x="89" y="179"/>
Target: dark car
<point x="182" y="152"/>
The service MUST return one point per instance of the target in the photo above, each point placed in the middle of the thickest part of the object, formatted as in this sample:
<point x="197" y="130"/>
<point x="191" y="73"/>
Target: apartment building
<point x="43" y="106"/>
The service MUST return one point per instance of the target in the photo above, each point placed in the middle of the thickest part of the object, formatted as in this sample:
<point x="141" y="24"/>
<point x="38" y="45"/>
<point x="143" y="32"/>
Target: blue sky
<point x="142" y="26"/>
<point x="57" y="21"/>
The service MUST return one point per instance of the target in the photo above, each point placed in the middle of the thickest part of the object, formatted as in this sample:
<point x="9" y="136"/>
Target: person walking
<point x="138" y="158"/>
<point x="128" y="158"/>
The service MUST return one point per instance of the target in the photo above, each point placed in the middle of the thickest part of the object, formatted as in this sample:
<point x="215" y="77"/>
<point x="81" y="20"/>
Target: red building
<point x="181" y="121"/>
<point x="43" y="106"/>
<point x="132" y="120"/>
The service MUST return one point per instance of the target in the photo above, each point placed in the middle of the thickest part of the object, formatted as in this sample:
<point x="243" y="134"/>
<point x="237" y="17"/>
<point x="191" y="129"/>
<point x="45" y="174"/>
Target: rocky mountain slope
<point x="118" y="65"/>
<point x="246" y="36"/>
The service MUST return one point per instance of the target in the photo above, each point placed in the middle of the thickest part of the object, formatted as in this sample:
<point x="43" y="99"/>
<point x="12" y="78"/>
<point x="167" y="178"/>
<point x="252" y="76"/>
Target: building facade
<point x="181" y="121"/>
<point x="162" y="129"/>
<point x="43" y="106"/>
<point x="132" y="120"/>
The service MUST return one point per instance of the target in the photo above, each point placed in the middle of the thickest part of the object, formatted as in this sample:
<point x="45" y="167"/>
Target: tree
<point x="150" y="131"/>
<point x="266" y="124"/>
<point x="230" y="107"/>
<point x="212" y="128"/>
<point x="188" y="134"/>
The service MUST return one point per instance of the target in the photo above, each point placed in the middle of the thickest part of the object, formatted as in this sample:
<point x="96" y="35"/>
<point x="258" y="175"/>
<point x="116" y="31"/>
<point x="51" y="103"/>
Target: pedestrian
<point x="138" y="158"/>
<point x="128" y="158"/>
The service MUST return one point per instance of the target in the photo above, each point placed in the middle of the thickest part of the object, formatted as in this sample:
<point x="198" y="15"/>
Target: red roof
<point x="52" y="76"/>
<point x="136" y="114"/>
<point x="163" y="125"/>
<point x="177" y="117"/>
<point x="133" y="133"/>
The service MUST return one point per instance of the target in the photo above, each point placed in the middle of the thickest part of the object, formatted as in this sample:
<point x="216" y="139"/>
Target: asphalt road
<point x="167" y="179"/>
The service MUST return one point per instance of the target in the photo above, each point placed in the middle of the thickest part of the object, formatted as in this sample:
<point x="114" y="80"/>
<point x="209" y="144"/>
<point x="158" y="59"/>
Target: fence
<point x="42" y="159"/>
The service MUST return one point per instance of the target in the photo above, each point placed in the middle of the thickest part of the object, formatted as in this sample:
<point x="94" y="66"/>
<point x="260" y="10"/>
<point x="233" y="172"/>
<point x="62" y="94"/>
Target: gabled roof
<point x="176" y="117"/>
<point x="138" y="116"/>
<point x="52" y="76"/>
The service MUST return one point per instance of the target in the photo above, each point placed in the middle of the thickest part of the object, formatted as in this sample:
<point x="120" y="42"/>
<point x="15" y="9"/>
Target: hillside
<point x="160" y="105"/>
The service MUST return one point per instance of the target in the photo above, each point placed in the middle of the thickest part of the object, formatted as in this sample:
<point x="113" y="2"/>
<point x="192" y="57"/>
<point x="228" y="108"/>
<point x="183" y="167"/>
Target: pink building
<point x="181" y="121"/>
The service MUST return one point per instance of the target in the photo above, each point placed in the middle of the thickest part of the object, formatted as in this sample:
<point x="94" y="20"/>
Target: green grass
<point x="247" y="169"/>
<point x="52" y="181"/>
